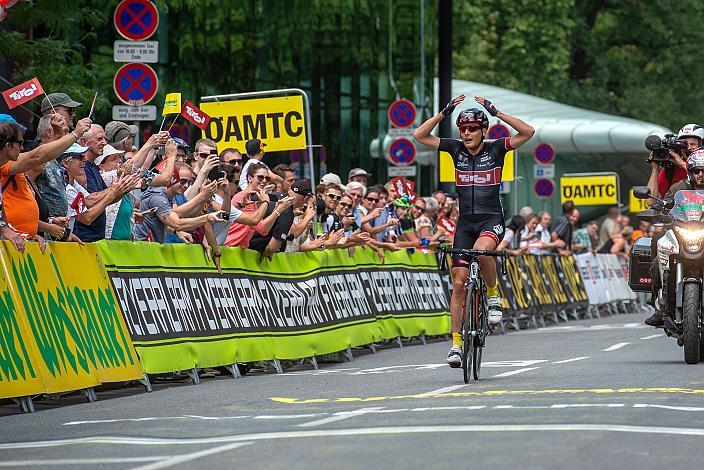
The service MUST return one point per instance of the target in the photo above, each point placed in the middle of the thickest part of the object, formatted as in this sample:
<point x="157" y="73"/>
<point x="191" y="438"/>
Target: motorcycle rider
<point x="695" y="181"/>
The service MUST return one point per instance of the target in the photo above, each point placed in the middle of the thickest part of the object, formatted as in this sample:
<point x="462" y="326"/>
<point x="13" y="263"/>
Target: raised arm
<point x="423" y="133"/>
<point x="525" y="131"/>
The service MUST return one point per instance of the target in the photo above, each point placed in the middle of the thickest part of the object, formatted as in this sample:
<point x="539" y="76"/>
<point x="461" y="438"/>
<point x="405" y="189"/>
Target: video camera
<point x="661" y="148"/>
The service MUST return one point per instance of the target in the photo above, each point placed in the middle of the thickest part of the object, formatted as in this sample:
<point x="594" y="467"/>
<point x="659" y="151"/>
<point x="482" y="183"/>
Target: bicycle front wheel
<point x="482" y="329"/>
<point x="467" y="333"/>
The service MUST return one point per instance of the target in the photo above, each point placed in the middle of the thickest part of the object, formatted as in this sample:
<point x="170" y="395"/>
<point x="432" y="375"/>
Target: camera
<point x="661" y="148"/>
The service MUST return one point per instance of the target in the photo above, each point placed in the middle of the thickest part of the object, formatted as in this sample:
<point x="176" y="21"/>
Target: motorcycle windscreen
<point x="689" y="206"/>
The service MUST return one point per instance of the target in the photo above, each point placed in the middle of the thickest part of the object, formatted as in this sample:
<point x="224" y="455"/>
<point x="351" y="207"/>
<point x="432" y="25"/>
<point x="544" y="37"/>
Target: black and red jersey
<point x="478" y="177"/>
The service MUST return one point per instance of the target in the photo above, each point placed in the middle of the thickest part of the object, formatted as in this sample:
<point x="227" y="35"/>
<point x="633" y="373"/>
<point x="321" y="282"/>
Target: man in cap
<point x="121" y="135"/>
<point x="275" y="240"/>
<point x="94" y="139"/>
<point x="332" y="178"/>
<point x="63" y="104"/>
<point x="255" y="152"/>
<point x="50" y="181"/>
<point x="358" y="175"/>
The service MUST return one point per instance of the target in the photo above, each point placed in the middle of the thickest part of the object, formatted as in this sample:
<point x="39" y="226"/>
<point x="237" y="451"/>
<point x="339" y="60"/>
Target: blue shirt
<point x="52" y="186"/>
<point x="171" y="237"/>
<point x="96" y="230"/>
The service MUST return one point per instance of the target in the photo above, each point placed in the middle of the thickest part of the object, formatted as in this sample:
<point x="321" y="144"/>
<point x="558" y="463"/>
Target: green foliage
<point x="627" y="57"/>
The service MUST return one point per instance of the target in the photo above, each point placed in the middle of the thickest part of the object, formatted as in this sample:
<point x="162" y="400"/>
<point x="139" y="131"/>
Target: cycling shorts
<point x="472" y="227"/>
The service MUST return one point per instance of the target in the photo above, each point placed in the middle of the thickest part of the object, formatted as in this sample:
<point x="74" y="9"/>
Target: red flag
<point x="398" y="184"/>
<point x="411" y="186"/>
<point x="447" y="225"/>
<point x="195" y="115"/>
<point x="22" y="93"/>
<point x="79" y="203"/>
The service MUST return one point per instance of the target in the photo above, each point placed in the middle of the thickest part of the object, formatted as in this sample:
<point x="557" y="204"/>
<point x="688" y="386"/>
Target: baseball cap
<point x="108" y="151"/>
<point x="58" y="99"/>
<point x="117" y="131"/>
<point x="74" y="149"/>
<point x="254" y="146"/>
<point x="8" y="118"/>
<point x="301" y="187"/>
<point x="332" y="178"/>
<point x="358" y="172"/>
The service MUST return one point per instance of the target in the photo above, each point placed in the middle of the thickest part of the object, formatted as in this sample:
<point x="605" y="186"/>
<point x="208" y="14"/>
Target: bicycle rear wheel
<point x="467" y="336"/>
<point x="481" y="326"/>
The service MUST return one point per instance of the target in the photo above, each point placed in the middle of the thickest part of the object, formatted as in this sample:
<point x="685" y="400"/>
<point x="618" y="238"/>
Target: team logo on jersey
<point x="478" y="178"/>
<point x="498" y="229"/>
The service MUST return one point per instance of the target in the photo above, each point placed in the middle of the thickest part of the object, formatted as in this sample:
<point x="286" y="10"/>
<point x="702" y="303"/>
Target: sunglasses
<point x="464" y="129"/>
<point x="422" y="209"/>
<point x="263" y="177"/>
<point x="696" y="171"/>
<point x="344" y="205"/>
<point x="371" y="199"/>
<point x="235" y="161"/>
<point x="334" y="197"/>
<point x="185" y="181"/>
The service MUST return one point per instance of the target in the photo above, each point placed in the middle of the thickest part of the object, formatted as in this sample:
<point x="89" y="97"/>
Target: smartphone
<point x="216" y="172"/>
<point x="224" y="215"/>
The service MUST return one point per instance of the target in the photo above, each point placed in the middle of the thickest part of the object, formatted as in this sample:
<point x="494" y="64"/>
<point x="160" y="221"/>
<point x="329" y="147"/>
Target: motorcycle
<point x="680" y="260"/>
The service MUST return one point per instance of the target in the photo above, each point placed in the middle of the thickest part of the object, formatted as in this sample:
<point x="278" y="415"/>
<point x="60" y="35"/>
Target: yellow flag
<point x="172" y="104"/>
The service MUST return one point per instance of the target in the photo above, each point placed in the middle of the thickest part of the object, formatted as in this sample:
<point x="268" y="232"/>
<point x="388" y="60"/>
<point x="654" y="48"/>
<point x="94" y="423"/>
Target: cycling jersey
<point x="478" y="176"/>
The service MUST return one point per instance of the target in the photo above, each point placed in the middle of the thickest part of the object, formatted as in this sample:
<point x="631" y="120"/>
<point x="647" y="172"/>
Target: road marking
<point x="580" y="328"/>
<point x="340" y="416"/>
<point x="668" y="407"/>
<point x="179" y="459"/>
<point x="653" y="336"/>
<point x="615" y="347"/>
<point x="322" y="433"/>
<point x="514" y="372"/>
<point x="96" y="461"/>
<point x="451" y="388"/>
<point x="572" y="360"/>
<point x="489" y="393"/>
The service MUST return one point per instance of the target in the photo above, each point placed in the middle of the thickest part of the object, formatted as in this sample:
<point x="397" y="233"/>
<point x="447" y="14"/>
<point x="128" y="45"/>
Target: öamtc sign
<point x="590" y="190"/>
<point x="279" y="121"/>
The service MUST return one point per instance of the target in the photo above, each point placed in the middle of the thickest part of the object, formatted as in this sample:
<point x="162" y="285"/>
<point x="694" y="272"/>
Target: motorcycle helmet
<point x="692" y="130"/>
<point x="472" y="116"/>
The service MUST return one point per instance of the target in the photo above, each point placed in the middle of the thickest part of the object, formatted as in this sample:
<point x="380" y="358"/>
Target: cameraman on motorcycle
<point x="695" y="181"/>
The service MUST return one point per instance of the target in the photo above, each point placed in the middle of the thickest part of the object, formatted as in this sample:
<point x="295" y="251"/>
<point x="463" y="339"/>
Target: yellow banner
<point x="447" y="167"/>
<point x="172" y="104"/>
<point x="636" y="205"/>
<point x="589" y="190"/>
<point x="62" y="328"/>
<point x="278" y="122"/>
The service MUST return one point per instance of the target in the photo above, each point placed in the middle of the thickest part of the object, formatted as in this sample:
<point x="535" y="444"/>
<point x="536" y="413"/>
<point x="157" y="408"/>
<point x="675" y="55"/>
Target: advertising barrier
<point x="182" y="314"/>
<point x="60" y="323"/>
<point x="604" y="278"/>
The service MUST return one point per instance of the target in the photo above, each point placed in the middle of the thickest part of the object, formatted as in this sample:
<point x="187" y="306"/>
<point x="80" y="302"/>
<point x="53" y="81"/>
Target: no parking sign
<point x="402" y="152"/>
<point x="135" y="84"/>
<point x="136" y="20"/>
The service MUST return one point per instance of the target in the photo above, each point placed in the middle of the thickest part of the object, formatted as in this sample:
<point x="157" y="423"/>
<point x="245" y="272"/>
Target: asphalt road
<point x="604" y="393"/>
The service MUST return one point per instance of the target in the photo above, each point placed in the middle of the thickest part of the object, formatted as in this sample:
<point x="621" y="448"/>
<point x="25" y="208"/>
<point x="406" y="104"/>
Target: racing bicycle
<point x="475" y="322"/>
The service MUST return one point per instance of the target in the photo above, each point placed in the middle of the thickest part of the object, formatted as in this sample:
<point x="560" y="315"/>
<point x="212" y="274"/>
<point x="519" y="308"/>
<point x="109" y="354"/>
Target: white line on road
<point x="653" y="336"/>
<point x="104" y="461"/>
<point x="341" y="416"/>
<point x="668" y="407"/>
<point x="451" y="388"/>
<point x="514" y="372"/>
<point x="615" y="347"/>
<point x="384" y="430"/>
<point x="572" y="360"/>
<point x="179" y="459"/>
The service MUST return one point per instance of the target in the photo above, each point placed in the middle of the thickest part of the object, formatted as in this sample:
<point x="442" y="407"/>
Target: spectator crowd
<point x="81" y="182"/>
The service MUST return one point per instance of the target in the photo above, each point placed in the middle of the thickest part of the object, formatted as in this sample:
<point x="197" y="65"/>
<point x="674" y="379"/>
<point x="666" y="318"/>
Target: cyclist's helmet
<point x="696" y="159"/>
<point x="472" y="116"/>
<point x="691" y="130"/>
<point x="180" y="143"/>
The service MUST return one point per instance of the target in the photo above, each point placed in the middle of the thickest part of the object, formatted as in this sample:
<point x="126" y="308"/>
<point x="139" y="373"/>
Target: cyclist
<point x="478" y="163"/>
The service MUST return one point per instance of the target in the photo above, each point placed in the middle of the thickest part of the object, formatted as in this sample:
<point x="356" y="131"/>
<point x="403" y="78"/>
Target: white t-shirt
<point x="221" y="229"/>
<point x="545" y="237"/>
<point x="243" y="175"/>
<point x="75" y="196"/>
<point x="509" y="235"/>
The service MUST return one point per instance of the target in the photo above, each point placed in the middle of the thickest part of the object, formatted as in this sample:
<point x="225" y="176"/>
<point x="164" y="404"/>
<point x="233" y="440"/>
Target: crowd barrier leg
<point x="348" y="354"/>
<point x="193" y="374"/>
<point x="372" y="347"/>
<point x="277" y="366"/>
<point x="26" y="404"/>
<point x="89" y="393"/>
<point x="311" y="360"/>
<point x="422" y="339"/>
<point x="399" y="342"/>
<point x="146" y="383"/>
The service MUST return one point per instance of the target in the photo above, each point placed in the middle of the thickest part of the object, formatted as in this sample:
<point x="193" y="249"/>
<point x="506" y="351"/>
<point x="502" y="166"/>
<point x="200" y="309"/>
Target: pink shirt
<point x="240" y="234"/>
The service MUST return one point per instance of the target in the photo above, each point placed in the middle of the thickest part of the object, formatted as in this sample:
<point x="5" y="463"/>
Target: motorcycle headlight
<point x="693" y="239"/>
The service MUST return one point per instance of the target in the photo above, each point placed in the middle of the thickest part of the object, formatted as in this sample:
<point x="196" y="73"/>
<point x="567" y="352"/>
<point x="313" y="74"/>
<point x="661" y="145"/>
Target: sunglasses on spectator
<point x="263" y="177"/>
<point x="422" y="209"/>
<point x="371" y="199"/>
<point x="187" y="181"/>
<point x="463" y="129"/>
<point x="235" y="161"/>
<point x="334" y="197"/>
<point x="344" y="205"/>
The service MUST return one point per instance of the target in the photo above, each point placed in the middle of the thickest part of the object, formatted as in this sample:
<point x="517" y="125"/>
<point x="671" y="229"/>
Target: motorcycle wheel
<point x="691" y="324"/>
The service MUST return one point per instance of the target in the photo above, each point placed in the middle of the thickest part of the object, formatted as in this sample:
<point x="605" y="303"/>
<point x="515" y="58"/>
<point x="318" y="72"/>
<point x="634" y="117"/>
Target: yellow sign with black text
<point x="597" y="190"/>
<point x="447" y="167"/>
<point x="172" y="104"/>
<point x="278" y="122"/>
<point x="636" y="205"/>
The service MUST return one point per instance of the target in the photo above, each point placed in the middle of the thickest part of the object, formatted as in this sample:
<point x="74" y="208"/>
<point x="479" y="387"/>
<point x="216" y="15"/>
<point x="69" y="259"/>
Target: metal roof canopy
<point x="567" y="128"/>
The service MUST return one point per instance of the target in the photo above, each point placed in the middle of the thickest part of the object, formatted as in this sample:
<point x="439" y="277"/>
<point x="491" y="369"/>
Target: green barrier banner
<point x="60" y="323"/>
<point x="182" y="314"/>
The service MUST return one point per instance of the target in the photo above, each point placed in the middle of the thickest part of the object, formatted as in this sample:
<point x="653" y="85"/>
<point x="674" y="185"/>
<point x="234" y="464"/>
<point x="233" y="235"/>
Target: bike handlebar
<point x="473" y="254"/>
